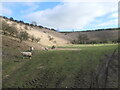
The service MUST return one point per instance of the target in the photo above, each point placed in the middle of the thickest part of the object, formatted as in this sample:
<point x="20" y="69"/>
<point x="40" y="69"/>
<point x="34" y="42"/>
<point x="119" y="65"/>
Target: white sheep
<point x="27" y="54"/>
<point x="31" y="49"/>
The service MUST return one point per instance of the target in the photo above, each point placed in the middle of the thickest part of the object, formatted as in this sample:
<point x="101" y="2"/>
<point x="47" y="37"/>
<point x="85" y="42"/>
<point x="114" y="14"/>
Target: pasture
<point x="54" y="68"/>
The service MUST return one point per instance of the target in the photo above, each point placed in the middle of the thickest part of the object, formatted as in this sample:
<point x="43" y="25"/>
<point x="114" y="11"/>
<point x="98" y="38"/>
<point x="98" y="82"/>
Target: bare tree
<point x="34" y="22"/>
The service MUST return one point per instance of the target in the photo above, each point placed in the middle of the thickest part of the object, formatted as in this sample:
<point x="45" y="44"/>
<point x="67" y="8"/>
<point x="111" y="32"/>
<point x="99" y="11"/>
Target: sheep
<point x="31" y="49"/>
<point x="27" y="54"/>
<point x="46" y="48"/>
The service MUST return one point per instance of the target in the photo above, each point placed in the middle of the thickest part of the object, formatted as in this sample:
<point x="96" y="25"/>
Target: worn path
<point x="66" y="49"/>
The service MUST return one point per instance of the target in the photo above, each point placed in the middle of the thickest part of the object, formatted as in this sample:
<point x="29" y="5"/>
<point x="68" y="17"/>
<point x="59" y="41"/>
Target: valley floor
<point x="75" y="66"/>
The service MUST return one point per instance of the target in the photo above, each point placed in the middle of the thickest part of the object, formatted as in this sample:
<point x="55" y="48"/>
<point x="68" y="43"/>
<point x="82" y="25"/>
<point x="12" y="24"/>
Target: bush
<point x="5" y="26"/>
<point x="40" y="26"/>
<point x="74" y="42"/>
<point x="23" y="35"/>
<point x="21" y="21"/>
<point x="54" y="41"/>
<point x="52" y="29"/>
<point x="13" y="31"/>
<point x="9" y="29"/>
<point x="32" y="38"/>
<point x="50" y="38"/>
<point x="82" y="39"/>
<point x="26" y="27"/>
<point x="37" y="39"/>
<point x="11" y="18"/>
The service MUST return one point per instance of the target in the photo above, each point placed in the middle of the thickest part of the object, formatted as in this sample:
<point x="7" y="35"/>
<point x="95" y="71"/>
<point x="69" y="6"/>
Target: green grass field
<point x="50" y="69"/>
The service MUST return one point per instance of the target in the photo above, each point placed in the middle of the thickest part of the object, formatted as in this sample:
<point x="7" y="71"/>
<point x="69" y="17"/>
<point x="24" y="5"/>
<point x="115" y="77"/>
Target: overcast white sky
<point x="65" y="16"/>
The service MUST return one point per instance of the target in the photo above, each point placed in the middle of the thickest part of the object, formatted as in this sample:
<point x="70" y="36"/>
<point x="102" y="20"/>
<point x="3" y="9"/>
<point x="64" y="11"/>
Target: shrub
<point x="40" y="26"/>
<point x="74" y="42"/>
<point x="82" y="39"/>
<point x="65" y="33"/>
<point x="13" y="31"/>
<point x="50" y="38"/>
<point x="37" y="39"/>
<point x="23" y="35"/>
<point x="32" y="38"/>
<point x="5" y="17"/>
<point x="54" y="41"/>
<point x="26" y="27"/>
<point x="11" y="18"/>
<point x="21" y="21"/>
<point x="9" y="29"/>
<point x="52" y="29"/>
<point x="44" y="31"/>
<point x="5" y="26"/>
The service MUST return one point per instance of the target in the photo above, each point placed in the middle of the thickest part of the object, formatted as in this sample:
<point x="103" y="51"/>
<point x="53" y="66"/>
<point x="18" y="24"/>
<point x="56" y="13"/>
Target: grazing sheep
<point x="46" y="48"/>
<point x="27" y="54"/>
<point x="31" y="49"/>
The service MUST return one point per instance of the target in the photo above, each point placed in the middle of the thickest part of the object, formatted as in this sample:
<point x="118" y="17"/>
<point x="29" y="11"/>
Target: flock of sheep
<point x="29" y="53"/>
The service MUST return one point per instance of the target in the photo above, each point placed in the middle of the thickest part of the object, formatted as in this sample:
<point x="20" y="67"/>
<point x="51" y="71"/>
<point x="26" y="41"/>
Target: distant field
<point x="84" y="45"/>
<point x="53" y="68"/>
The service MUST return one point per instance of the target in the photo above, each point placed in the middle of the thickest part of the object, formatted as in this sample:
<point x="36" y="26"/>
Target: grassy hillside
<point x="103" y="35"/>
<point x="57" y="68"/>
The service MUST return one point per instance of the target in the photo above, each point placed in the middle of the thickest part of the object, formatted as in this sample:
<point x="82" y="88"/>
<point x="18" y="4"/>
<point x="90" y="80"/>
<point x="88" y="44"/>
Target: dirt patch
<point x="66" y="49"/>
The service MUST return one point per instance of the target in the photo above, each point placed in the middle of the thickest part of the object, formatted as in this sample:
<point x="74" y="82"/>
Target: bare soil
<point x="66" y="49"/>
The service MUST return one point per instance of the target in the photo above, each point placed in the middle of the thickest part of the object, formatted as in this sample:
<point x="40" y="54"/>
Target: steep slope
<point x="47" y="37"/>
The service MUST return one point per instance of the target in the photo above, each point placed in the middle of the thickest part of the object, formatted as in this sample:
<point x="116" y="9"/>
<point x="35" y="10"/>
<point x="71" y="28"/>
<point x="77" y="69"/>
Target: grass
<point x="84" y="45"/>
<point x="53" y="68"/>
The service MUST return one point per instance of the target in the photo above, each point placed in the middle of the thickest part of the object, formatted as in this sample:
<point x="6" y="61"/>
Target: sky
<point x="65" y="16"/>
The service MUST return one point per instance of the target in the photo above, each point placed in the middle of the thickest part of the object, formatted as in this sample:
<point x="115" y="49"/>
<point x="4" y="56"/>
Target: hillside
<point x="103" y="35"/>
<point x="47" y="37"/>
